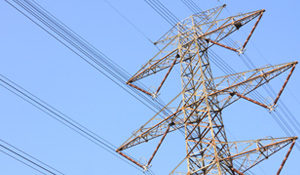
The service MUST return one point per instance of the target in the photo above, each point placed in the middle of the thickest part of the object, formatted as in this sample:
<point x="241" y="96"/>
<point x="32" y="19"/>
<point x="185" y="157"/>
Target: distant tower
<point x="204" y="97"/>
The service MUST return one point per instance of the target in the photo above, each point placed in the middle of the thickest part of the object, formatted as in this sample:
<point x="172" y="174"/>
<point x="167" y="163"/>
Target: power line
<point x="161" y="9"/>
<point x="90" y="54"/>
<point x="85" y="50"/>
<point x="128" y="21"/>
<point x="60" y="117"/>
<point x="82" y="48"/>
<point x="27" y="159"/>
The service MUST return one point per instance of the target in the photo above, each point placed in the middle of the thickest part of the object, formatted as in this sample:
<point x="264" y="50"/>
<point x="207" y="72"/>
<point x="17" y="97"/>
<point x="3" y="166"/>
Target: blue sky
<point x="40" y="64"/>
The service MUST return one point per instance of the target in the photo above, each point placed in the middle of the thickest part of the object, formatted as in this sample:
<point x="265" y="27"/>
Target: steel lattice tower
<point x="204" y="97"/>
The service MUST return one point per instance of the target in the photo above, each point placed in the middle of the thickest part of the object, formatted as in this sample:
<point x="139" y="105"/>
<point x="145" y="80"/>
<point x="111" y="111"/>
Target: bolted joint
<point x="232" y="94"/>
<point x="241" y="51"/>
<point x="171" y="124"/>
<point x="238" y="25"/>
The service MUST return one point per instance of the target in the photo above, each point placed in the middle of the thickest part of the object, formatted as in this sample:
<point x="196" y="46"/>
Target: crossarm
<point x="252" y="153"/>
<point x="246" y="82"/>
<point x="214" y="31"/>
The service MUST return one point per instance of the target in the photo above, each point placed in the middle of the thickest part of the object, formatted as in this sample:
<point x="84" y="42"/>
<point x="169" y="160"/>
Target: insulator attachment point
<point x="241" y="51"/>
<point x="272" y="107"/>
<point x="155" y="95"/>
<point x="232" y="94"/>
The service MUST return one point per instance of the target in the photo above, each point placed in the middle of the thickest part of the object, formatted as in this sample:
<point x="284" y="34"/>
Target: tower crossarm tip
<point x="246" y="82"/>
<point x="255" y="151"/>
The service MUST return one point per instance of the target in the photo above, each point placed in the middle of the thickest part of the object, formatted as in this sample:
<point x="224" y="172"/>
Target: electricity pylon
<point x="204" y="97"/>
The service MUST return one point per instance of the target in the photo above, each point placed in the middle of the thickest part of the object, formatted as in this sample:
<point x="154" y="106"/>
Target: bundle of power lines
<point x="27" y="159"/>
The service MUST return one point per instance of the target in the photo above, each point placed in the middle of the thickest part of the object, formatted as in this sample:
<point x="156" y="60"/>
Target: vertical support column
<point x="205" y="143"/>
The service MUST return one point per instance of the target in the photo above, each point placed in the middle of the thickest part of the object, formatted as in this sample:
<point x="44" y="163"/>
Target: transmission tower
<point x="199" y="113"/>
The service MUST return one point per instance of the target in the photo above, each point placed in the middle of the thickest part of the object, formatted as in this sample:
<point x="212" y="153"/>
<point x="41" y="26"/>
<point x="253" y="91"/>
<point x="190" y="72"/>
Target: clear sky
<point x="40" y="64"/>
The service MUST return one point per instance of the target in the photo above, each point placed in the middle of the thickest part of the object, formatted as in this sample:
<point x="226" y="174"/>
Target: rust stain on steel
<point x="222" y="45"/>
<point x="251" y="100"/>
<point x="254" y="27"/>
<point x="285" y="83"/>
<point x="140" y="89"/>
<point x="286" y="157"/>
<point x="135" y="162"/>
<point x="159" y="144"/>
<point x="237" y="171"/>
<point x="166" y="76"/>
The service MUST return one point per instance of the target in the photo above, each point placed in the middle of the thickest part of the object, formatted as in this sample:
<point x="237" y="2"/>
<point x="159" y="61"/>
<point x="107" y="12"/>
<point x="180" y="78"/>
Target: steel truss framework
<point x="204" y="97"/>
